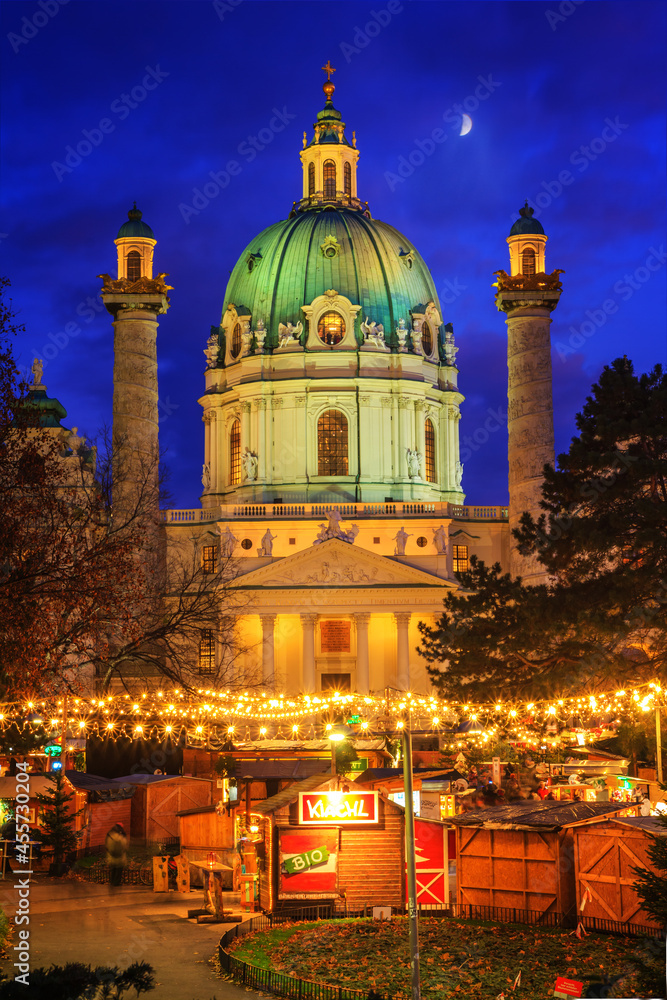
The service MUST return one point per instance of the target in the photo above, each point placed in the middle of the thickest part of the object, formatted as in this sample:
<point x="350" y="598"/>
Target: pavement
<point x="97" y="925"/>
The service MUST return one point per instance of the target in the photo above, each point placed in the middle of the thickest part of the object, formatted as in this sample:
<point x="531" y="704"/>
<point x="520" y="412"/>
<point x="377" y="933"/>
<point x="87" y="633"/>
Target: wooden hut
<point x="106" y="802"/>
<point x="605" y="853"/>
<point x="158" y="799"/>
<point x="202" y="830"/>
<point x="520" y="856"/>
<point x="38" y="783"/>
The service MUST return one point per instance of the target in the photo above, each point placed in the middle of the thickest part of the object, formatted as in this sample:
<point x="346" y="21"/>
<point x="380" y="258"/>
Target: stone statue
<point x="402" y="334"/>
<point x="250" y="465"/>
<point x="289" y="334"/>
<point x="459" y="474"/>
<point x="260" y="336"/>
<point x="401" y="538"/>
<point x="267" y="544"/>
<point x="440" y="539"/>
<point x="414" y="460"/>
<point x="37" y="372"/>
<point x="373" y="333"/>
<point x="450" y="347"/>
<point x="74" y="442"/>
<point x="334" y="530"/>
<point x="206" y="476"/>
<point x="212" y="350"/>
<point x="228" y="542"/>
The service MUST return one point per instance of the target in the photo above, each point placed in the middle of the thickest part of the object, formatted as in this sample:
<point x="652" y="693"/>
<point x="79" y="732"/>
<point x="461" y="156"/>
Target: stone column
<point x="402" y="650"/>
<point x="268" y="650"/>
<point x="308" y="623"/>
<point x="363" y="672"/>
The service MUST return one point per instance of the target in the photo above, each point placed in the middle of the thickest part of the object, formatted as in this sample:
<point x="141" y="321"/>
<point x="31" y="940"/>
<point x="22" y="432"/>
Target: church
<point x="331" y="401"/>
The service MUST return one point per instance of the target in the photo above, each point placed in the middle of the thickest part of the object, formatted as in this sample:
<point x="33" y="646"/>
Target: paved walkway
<point x="82" y="922"/>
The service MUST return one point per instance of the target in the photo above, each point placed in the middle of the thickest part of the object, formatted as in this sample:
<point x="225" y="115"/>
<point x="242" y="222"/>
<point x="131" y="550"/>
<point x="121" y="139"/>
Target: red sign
<point x="568" y="987"/>
<point x="346" y="808"/>
<point x="431" y="863"/>
<point x="318" y="881"/>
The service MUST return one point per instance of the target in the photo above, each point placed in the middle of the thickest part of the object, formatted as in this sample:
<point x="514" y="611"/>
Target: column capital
<point x="402" y="618"/>
<point x="268" y="619"/>
<point x="309" y="619"/>
<point x="362" y="619"/>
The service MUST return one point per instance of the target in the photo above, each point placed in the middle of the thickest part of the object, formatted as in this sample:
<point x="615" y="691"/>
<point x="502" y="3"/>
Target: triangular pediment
<point x="335" y="563"/>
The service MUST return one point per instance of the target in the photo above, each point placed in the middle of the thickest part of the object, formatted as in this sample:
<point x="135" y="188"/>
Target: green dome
<point x="40" y="409"/>
<point x="292" y="262"/>
<point x="526" y="224"/>
<point x="135" y="227"/>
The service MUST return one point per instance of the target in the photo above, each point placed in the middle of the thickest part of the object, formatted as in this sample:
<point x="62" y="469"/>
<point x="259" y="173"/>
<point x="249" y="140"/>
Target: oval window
<point x="421" y="541"/>
<point x="427" y="339"/>
<point x="331" y="328"/>
<point x="246" y="543"/>
<point x="237" y="341"/>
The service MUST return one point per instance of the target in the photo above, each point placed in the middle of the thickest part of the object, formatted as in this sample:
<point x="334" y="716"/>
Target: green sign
<point x="52" y="750"/>
<point x="354" y="720"/>
<point x="301" y="862"/>
<point x="359" y="765"/>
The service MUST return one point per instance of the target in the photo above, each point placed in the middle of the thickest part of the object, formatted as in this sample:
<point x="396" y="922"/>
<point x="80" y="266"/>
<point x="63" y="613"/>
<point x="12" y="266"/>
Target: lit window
<point x="528" y="261"/>
<point x="460" y="558"/>
<point x="311" y="179"/>
<point x="329" y="180"/>
<point x="133" y="265"/>
<point x="209" y="558"/>
<point x="429" y="451"/>
<point x="347" y="179"/>
<point x="237" y="341"/>
<point x="332" y="444"/>
<point x="427" y="339"/>
<point x="207" y="651"/>
<point x="235" y="453"/>
<point x="331" y="328"/>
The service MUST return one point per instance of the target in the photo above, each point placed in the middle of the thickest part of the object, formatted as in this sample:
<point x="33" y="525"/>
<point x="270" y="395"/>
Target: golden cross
<point x="328" y="69"/>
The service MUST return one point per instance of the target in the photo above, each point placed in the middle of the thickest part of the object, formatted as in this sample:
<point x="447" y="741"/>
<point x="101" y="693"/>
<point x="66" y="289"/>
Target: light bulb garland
<point x="212" y="718"/>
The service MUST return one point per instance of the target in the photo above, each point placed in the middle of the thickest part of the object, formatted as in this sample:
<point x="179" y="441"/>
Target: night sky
<point x="567" y="102"/>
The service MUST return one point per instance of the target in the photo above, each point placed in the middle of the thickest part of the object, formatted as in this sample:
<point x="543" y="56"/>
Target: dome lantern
<point x="135" y="244"/>
<point x="329" y="160"/>
<point x="526" y="242"/>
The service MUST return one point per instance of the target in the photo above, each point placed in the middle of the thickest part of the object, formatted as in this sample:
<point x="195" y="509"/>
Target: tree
<point x="602" y="618"/>
<point x="58" y="821"/>
<point x="87" y="586"/>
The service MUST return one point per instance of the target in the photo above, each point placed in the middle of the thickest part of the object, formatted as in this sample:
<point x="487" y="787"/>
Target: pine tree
<point x="651" y="887"/>
<point x="602" y="618"/>
<point x="58" y="822"/>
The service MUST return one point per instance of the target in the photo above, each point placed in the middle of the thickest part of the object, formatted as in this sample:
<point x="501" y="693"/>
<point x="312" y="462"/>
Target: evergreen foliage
<point x="76" y="981"/>
<point x="651" y="887"/>
<point x="58" y="822"/>
<point x="602" y="618"/>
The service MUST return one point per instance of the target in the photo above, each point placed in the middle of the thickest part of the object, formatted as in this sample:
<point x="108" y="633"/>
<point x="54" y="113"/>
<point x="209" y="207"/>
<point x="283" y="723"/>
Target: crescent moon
<point x="466" y="124"/>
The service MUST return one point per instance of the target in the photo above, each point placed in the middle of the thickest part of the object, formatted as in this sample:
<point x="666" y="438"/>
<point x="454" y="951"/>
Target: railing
<point x="317" y="511"/>
<point x="283" y="985"/>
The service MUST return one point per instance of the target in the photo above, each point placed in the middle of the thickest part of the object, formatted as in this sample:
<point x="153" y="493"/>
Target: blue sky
<point x="568" y="109"/>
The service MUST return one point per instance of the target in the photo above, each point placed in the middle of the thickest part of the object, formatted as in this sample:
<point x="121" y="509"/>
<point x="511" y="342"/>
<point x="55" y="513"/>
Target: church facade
<point x="331" y="473"/>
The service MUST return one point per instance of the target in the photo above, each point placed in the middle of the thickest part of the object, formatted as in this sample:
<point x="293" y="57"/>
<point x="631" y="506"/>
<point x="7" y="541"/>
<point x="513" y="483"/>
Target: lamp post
<point x="337" y="734"/>
<point x="413" y="915"/>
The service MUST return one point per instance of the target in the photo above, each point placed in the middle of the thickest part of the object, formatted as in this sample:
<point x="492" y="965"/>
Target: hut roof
<point x="295" y="768"/>
<point x="100" y="789"/>
<point x="649" y="824"/>
<point x="534" y="815"/>
<point x="290" y="794"/>
<point x="382" y="773"/>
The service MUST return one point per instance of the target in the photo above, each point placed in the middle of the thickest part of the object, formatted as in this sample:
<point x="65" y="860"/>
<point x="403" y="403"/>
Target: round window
<point x="330" y="252"/>
<point x="237" y="341"/>
<point x="251" y="263"/>
<point x="246" y="544"/>
<point x="331" y="328"/>
<point x="427" y="339"/>
<point x="421" y="542"/>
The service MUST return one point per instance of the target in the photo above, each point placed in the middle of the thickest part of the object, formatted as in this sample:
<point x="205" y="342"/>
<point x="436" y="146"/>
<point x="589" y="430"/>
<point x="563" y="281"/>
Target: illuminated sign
<point x="338" y="807"/>
<point x="300" y="862"/>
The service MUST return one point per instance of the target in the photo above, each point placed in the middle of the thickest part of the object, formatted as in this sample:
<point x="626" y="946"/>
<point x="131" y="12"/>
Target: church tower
<point x="528" y="296"/>
<point x="135" y="299"/>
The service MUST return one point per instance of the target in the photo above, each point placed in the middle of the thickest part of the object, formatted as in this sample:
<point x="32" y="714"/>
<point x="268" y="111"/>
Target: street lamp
<point x="337" y="734"/>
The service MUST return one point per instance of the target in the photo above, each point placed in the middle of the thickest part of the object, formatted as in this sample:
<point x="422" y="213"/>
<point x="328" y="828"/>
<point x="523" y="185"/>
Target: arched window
<point x="427" y="340"/>
<point x="528" y="261"/>
<point x="311" y="179"/>
<point x="332" y="444"/>
<point x="347" y="179"/>
<point x="133" y="265"/>
<point x="429" y="452"/>
<point x="331" y="328"/>
<point x="329" y="180"/>
<point x="237" y="341"/>
<point x="235" y="453"/>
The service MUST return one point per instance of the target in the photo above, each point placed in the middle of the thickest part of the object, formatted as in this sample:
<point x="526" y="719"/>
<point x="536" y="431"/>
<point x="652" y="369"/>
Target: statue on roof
<point x="37" y="372"/>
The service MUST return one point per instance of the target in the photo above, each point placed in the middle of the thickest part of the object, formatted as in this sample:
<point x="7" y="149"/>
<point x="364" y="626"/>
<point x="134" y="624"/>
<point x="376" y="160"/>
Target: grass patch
<point x="459" y="958"/>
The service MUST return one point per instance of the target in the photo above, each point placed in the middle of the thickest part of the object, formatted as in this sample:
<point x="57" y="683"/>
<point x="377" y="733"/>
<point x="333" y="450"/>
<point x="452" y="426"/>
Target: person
<point x="645" y="806"/>
<point x="116" y="848"/>
<point x="542" y="791"/>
